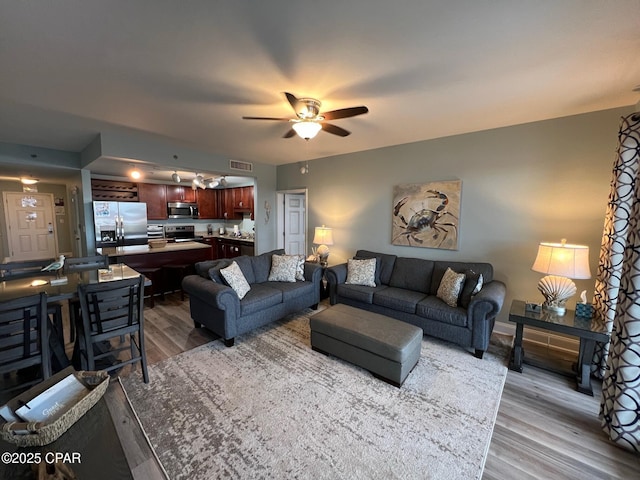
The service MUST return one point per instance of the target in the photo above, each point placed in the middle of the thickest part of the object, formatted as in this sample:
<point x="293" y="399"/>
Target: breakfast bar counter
<point x="147" y="257"/>
<point x="146" y="249"/>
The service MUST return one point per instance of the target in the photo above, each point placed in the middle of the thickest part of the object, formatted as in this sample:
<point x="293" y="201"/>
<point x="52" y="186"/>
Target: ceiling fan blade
<point x="277" y="119"/>
<point x="329" y="128"/>
<point x="290" y="133"/>
<point x="293" y="101"/>
<point x="344" y="113"/>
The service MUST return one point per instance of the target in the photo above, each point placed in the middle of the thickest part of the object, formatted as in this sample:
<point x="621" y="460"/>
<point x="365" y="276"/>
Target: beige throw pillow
<point x="234" y="277"/>
<point x="450" y="287"/>
<point x="283" y="268"/>
<point x="361" y="272"/>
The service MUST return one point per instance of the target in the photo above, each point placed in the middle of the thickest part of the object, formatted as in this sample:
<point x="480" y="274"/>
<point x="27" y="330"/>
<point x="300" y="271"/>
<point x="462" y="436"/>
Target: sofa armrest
<point x="221" y="297"/>
<point x="489" y="299"/>
<point x="335" y="276"/>
<point x="482" y="312"/>
<point x="313" y="273"/>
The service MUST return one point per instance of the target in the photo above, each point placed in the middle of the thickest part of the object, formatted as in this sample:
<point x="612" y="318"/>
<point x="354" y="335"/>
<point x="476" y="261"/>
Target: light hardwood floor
<point x="544" y="429"/>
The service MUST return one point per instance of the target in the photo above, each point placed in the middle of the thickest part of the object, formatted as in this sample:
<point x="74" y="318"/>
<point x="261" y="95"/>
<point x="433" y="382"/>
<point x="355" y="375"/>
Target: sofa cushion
<point x="433" y="308"/>
<point x="358" y="292"/>
<point x="439" y="267"/>
<point x="283" y="268"/>
<point x="214" y="271"/>
<point x="234" y="277"/>
<point x="361" y="272"/>
<point x="472" y="284"/>
<point x="399" y="299"/>
<point x="292" y="290"/>
<point x="386" y="263"/>
<point x="262" y="264"/>
<point x="412" y="274"/>
<point x="260" y="297"/>
<point x="451" y="287"/>
<point x="202" y="268"/>
<point x="246" y="265"/>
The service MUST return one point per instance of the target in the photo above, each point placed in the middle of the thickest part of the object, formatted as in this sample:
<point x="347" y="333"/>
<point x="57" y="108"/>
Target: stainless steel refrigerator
<point x="120" y="223"/>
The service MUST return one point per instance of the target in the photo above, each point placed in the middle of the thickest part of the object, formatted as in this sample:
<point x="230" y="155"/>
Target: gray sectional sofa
<point x="217" y="307"/>
<point x="406" y="289"/>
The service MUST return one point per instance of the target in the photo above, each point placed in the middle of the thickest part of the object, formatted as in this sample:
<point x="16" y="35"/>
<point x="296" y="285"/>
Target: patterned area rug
<point x="270" y="407"/>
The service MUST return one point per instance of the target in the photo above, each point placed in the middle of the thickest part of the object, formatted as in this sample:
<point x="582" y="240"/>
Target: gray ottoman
<point x="386" y="347"/>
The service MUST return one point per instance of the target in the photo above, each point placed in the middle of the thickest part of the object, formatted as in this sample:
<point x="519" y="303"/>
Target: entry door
<point x="294" y="224"/>
<point x="30" y="226"/>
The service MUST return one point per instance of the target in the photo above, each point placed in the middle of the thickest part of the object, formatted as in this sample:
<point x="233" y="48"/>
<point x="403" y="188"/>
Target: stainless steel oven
<point x="182" y="210"/>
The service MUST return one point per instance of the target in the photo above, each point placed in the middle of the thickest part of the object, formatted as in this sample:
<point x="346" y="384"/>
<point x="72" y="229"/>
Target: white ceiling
<point x="190" y="70"/>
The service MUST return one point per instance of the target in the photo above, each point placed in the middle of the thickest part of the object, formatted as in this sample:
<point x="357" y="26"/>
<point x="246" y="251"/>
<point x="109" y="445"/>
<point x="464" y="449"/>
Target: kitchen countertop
<point x="226" y="237"/>
<point x="140" y="249"/>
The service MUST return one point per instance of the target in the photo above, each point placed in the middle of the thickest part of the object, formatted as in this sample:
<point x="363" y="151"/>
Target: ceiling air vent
<point x="238" y="165"/>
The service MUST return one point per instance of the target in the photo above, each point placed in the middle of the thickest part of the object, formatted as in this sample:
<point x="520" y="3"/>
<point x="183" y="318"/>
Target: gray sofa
<point x="406" y="290"/>
<point x="217" y="307"/>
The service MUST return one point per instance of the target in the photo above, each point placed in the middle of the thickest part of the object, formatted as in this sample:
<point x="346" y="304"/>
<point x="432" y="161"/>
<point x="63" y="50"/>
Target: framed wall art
<point x="427" y="214"/>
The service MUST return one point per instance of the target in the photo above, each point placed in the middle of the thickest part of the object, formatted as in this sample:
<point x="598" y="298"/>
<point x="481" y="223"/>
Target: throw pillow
<point x="361" y="272"/>
<point x="300" y="268"/>
<point x="378" y="263"/>
<point x="450" y="287"/>
<point x="283" y="268"/>
<point x="472" y="285"/>
<point x="233" y="277"/>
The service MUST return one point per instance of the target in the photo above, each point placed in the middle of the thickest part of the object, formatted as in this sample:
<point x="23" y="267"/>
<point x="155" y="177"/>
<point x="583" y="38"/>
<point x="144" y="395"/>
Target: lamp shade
<point x="307" y="129"/>
<point x="571" y="261"/>
<point x="323" y="236"/>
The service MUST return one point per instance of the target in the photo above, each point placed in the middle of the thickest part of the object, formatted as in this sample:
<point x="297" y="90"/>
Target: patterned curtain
<point x="617" y="295"/>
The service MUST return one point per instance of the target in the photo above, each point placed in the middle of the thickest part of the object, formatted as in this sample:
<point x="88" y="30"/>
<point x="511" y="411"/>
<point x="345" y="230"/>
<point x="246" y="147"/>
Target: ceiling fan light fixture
<point x="28" y="180"/>
<point x="307" y="129"/>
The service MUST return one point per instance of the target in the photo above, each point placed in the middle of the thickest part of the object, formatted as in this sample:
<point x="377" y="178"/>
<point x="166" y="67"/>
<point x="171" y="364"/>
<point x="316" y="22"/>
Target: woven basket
<point x="45" y="433"/>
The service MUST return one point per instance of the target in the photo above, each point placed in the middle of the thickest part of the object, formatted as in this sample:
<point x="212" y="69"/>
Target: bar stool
<point x="178" y="271"/>
<point x="156" y="275"/>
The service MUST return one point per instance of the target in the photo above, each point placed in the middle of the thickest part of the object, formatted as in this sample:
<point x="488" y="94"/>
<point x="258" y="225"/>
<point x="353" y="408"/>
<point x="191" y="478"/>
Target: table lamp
<point x="561" y="262"/>
<point x="323" y="237"/>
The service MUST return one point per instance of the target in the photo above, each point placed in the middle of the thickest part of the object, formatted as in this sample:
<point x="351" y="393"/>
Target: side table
<point x="589" y="331"/>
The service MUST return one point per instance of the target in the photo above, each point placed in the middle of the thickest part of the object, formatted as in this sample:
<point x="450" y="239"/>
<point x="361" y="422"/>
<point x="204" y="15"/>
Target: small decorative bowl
<point x="157" y="243"/>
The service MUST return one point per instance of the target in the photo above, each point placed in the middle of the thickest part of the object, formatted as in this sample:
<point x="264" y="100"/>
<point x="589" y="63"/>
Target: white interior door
<point x="30" y="226"/>
<point x="295" y="242"/>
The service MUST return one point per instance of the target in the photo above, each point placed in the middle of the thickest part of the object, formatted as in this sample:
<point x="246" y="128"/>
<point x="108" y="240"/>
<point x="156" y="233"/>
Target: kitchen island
<point x="165" y="266"/>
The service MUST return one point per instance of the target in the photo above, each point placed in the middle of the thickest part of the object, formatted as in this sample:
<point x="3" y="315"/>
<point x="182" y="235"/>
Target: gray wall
<point x="521" y="185"/>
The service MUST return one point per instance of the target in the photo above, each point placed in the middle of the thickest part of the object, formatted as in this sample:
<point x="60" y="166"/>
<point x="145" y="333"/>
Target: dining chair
<point x="110" y="310"/>
<point x="24" y="269"/>
<point x="79" y="264"/>
<point x="33" y="268"/>
<point x="24" y="339"/>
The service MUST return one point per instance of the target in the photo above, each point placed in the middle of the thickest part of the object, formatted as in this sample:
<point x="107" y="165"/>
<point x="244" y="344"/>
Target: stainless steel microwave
<point x="182" y="210"/>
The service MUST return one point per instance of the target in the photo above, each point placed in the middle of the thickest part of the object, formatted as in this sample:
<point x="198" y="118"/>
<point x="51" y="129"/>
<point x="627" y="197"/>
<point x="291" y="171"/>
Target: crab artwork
<point x="426" y="215"/>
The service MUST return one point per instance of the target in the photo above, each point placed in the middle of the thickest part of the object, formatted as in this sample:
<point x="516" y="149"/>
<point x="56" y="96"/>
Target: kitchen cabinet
<point x="178" y="193"/>
<point x="208" y="203"/>
<point x="155" y="196"/>
<point x="213" y="244"/>
<point x="243" y="201"/>
<point x="225" y="203"/>
<point x="231" y="248"/>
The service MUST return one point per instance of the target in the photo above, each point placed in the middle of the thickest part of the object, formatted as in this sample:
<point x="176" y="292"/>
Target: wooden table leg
<point x="517" y="352"/>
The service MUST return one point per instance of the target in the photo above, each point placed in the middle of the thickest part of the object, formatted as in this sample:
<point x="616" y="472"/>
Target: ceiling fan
<point x="310" y="121"/>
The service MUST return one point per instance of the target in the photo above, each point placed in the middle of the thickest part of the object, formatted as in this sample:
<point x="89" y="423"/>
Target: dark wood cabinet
<point x="178" y="193"/>
<point x="231" y="248"/>
<point x="242" y="201"/>
<point x="225" y="204"/>
<point x="155" y="196"/>
<point x="208" y="204"/>
<point x="213" y="243"/>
